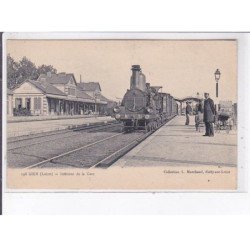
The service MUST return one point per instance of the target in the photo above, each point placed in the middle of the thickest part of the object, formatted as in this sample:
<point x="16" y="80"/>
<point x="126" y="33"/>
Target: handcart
<point x="224" y="117"/>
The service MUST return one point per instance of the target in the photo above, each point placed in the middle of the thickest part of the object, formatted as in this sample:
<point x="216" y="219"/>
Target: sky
<point x="181" y="67"/>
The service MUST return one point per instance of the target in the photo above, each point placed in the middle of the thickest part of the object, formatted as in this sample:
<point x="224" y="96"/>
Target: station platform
<point x="14" y="119"/>
<point x="22" y="128"/>
<point x="177" y="145"/>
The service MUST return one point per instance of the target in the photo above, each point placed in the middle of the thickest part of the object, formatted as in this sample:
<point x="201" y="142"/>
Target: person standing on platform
<point x="188" y="112"/>
<point x="209" y="115"/>
<point x="198" y="115"/>
<point x="199" y="106"/>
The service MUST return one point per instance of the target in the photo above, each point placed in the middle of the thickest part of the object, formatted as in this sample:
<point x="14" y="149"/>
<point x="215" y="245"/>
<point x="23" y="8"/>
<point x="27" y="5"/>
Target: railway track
<point x="74" y="128"/>
<point x="100" y="153"/>
<point x="110" y="159"/>
<point x="71" y="151"/>
<point x="95" y="154"/>
<point x="96" y="147"/>
<point x="28" y="152"/>
<point x="31" y="141"/>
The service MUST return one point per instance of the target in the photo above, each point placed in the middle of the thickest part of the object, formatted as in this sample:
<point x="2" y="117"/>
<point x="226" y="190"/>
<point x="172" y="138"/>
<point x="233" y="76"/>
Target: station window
<point x="18" y="103"/>
<point x="27" y="103"/>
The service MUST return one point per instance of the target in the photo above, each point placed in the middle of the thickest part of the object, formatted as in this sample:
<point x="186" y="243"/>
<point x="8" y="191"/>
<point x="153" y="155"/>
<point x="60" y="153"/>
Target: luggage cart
<point x="224" y="117"/>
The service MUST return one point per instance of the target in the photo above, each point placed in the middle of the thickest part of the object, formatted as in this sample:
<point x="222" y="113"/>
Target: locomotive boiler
<point x="144" y="106"/>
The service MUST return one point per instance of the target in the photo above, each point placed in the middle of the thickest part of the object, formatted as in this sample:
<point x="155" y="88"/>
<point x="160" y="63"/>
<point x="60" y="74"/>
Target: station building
<point x="58" y="94"/>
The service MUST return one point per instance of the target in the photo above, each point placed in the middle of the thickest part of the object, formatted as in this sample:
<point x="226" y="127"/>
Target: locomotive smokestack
<point x="134" y="80"/>
<point x="137" y="80"/>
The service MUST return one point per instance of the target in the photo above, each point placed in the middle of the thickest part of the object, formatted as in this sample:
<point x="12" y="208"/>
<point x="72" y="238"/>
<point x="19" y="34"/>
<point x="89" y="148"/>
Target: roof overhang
<point x="56" y="96"/>
<point x="188" y="98"/>
<point x="85" y="100"/>
<point x="101" y="102"/>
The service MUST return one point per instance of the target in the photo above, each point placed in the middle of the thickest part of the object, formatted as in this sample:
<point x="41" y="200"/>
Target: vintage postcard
<point x="120" y="114"/>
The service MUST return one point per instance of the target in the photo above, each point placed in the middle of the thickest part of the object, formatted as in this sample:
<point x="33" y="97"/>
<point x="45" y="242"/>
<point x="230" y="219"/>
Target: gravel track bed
<point x="89" y="156"/>
<point x="54" y="137"/>
<point x="28" y="155"/>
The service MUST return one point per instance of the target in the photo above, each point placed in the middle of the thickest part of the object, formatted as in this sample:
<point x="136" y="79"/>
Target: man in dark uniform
<point x="188" y="112"/>
<point x="209" y="115"/>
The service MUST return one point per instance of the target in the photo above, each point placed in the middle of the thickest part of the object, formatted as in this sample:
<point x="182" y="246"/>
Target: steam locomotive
<point x="143" y="106"/>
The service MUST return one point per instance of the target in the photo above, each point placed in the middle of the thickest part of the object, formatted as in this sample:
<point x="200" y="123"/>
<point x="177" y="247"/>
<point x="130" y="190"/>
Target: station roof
<point x="47" y="88"/>
<point x="103" y="98"/>
<point x="62" y="78"/>
<point x="188" y="98"/>
<point x="89" y="86"/>
<point x="83" y="95"/>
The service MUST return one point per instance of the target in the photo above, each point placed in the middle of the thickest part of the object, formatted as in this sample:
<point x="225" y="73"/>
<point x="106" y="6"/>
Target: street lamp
<point x="217" y="78"/>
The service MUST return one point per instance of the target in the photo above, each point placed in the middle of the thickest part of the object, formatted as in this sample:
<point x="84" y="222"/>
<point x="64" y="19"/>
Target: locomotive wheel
<point x="155" y="126"/>
<point x="150" y="126"/>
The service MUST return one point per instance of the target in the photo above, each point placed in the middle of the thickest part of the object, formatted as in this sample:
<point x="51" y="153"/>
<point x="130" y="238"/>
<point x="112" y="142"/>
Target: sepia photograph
<point x="124" y="123"/>
<point x="121" y="114"/>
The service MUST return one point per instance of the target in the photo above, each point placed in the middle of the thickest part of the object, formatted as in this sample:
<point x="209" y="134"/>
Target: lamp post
<point x="217" y="78"/>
